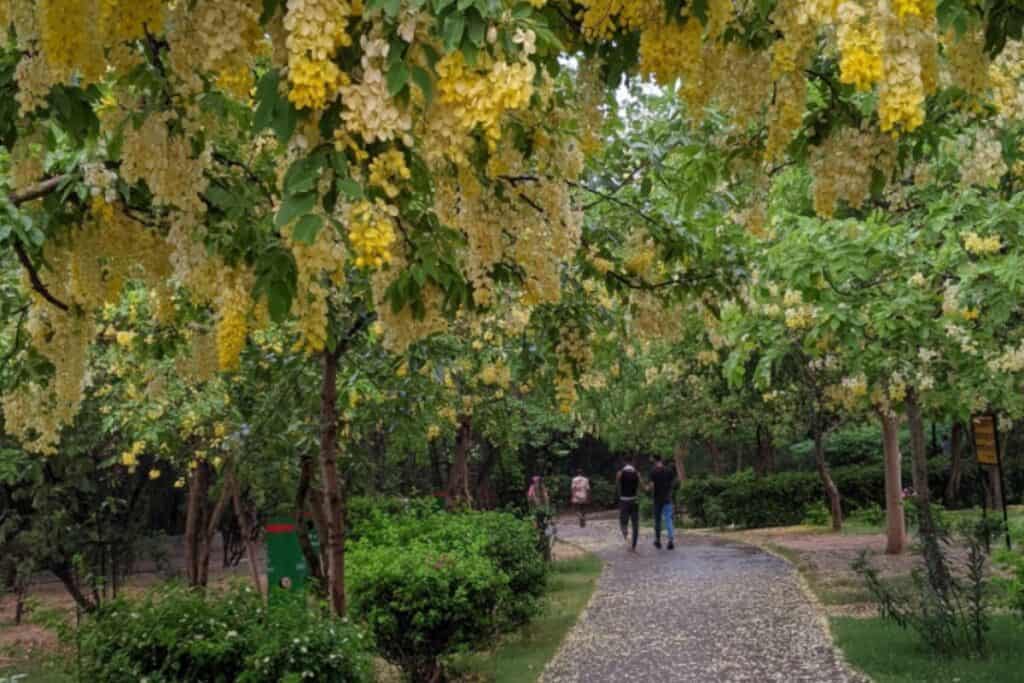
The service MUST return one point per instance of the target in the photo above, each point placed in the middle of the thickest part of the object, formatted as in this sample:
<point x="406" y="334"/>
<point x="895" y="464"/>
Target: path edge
<point x="582" y="613"/>
<point x="820" y="613"/>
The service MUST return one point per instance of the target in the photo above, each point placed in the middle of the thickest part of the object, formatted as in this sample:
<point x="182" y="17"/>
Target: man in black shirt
<point x="663" y="480"/>
<point x="627" y="483"/>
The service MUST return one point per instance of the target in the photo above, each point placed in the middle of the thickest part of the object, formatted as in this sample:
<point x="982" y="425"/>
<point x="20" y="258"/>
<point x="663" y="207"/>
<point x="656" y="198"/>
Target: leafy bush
<point x="817" y="515"/>
<point x="370" y="515"/>
<point x="178" y="634"/>
<point x="872" y="515"/>
<point x="423" y="603"/>
<point x="856" y="445"/>
<point x="781" y="499"/>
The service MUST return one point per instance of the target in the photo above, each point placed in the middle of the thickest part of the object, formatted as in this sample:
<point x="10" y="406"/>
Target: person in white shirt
<point x="581" y="496"/>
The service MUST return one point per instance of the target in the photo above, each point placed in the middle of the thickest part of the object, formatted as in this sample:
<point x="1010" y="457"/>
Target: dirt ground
<point x="825" y="559"/>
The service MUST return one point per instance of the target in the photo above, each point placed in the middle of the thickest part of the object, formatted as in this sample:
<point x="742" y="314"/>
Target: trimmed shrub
<point x="178" y="634"/>
<point x="423" y="603"/>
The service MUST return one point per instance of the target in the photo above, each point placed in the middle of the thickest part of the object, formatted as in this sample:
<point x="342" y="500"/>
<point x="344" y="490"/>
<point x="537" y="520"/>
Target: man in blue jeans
<point x="663" y="480"/>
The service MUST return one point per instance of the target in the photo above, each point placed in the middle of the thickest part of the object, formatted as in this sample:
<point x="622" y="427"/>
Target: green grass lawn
<point x="889" y="654"/>
<point x="520" y="658"/>
<point x="33" y="673"/>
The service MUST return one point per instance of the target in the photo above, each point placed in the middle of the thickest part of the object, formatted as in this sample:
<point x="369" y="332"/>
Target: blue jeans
<point x="663" y="512"/>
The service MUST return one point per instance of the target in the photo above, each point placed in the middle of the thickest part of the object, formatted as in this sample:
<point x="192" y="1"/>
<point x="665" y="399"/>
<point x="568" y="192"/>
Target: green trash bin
<point x="287" y="572"/>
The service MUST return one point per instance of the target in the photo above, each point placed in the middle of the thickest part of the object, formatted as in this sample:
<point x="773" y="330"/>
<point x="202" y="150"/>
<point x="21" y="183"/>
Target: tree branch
<point x="37" y="191"/>
<point x="33" y="276"/>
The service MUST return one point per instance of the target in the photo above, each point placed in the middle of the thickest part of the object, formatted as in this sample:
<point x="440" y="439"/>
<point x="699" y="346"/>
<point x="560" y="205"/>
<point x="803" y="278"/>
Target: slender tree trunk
<point x="896" y="526"/>
<point x="248" y="533"/>
<point x="206" y="542"/>
<point x="679" y="458"/>
<point x="437" y="478"/>
<point x="458" y="475"/>
<point x="303" y="494"/>
<point x="938" y="572"/>
<point x="765" y="451"/>
<point x="955" y="463"/>
<point x="334" y="488"/>
<point x="997" y="490"/>
<point x="831" y="491"/>
<point x="67" y="576"/>
<point x="484" y="495"/>
<point x="195" y="520"/>
<point x="716" y="457"/>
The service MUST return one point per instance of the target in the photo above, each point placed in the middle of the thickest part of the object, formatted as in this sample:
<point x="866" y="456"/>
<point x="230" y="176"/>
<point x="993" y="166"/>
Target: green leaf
<point x="390" y="7"/>
<point x="269" y="10"/>
<point x="307" y="228"/>
<point x="463" y="5"/>
<point x="221" y="198"/>
<point x="303" y="175"/>
<point x="439" y="5"/>
<point x="477" y="29"/>
<point x="293" y="207"/>
<point x="421" y="77"/>
<point x="454" y="26"/>
<point x="397" y="78"/>
<point x="266" y="101"/>
<point x="350" y="188"/>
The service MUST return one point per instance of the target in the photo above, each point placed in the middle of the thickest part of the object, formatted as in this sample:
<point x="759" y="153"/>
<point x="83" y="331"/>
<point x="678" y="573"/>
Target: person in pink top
<point x="581" y="496"/>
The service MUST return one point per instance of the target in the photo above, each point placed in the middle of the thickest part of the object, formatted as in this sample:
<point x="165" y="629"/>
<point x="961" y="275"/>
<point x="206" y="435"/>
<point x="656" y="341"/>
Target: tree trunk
<point x="437" y="478"/>
<point x="458" y="475"/>
<point x="302" y="498"/>
<point x="765" y="452"/>
<point x="67" y="576"/>
<point x="938" y="572"/>
<point x="895" y="527"/>
<point x="716" y="457"/>
<point x="955" y="463"/>
<point x="831" y="491"/>
<point x="248" y="534"/>
<point x="212" y="522"/>
<point x="334" y="488"/>
<point x="195" y="520"/>
<point x="484" y="496"/>
<point x="679" y="458"/>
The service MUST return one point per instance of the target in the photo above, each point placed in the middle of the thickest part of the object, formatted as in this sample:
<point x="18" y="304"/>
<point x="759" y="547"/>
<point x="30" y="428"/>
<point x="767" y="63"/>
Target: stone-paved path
<point x="707" y="611"/>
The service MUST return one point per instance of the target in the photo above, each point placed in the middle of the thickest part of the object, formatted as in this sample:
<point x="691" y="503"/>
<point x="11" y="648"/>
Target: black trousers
<point x="629" y="513"/>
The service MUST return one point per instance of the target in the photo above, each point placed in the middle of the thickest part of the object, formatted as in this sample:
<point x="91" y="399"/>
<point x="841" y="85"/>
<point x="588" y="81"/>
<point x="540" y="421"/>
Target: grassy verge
<point x="521" y="657"/>
<point x="889" y="654"/>
<point x="32" y="673"/>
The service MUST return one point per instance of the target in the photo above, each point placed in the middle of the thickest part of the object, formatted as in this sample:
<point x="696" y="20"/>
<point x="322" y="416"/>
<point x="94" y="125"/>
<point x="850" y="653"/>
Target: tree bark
<point x="831" y="491"/>
<point x="248" y="533"/>
<point x="302" y="499"/>
<point x="679" y="458"/>
<point x="195" y="520"/>
<point x="994" y="486"/>
<point x="484" y="495"/>
<point x="955" y="463"/>
<point x="935" y="563"/>
<point x="765" y="452"/>
<point x="896" y="526"/>
<point x="334" y="488"/>
<point x="716" y="457"/>
<point x="66" y="574"/>
<point x="212" y="522"/>
<point x="458" y="475"/>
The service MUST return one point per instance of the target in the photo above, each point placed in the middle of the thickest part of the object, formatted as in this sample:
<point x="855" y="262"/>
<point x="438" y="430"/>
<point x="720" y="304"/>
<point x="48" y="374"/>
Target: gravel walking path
<point x="707" y="611"/>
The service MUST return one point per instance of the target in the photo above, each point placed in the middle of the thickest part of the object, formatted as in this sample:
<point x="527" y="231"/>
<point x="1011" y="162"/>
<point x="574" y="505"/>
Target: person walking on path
<point x="627" y="483"/>
<point x="663" y="481"/>
<point x="581" y="496"/>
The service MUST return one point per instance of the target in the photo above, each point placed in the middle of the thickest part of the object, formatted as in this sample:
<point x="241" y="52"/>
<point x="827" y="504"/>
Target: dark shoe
<point x="671" y="545"/>
<point x="657" y="544"/>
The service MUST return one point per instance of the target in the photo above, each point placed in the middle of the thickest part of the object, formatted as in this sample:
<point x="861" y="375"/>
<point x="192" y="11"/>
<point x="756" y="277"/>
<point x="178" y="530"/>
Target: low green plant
<point x="714" y="513"/>
<point x="182" y="635"/>
<point x="946" y="605"/>
<point x="873" y="515"/>
<point x="817" y="515"/>
<point x="1013" y="562"/>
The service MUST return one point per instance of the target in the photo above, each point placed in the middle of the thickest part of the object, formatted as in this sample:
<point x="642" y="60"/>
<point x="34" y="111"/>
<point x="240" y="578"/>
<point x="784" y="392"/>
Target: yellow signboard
<point x="985" y="439"/>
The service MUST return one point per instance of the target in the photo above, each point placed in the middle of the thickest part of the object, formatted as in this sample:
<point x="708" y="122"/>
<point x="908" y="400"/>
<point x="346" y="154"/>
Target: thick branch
<point x="33" y="276"/>
<point x="37" y="191"/>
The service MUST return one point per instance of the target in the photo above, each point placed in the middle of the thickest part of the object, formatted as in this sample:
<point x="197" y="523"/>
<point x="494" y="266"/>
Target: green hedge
<point x="176" y="634"/>
<point x="782" y="499"/>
